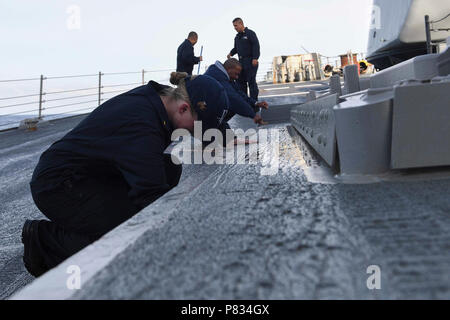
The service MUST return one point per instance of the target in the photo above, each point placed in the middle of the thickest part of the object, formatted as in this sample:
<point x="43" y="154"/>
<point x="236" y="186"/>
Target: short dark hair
<point x="231" y="63"/>
<point x="238" y="20"/>
<point x="192" y="35"/>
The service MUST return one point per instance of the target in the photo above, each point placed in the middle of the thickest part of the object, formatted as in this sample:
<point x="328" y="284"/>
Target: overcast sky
<point x="41" y="36"/>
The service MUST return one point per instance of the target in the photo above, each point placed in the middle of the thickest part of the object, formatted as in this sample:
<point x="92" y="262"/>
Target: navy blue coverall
<point x="186" y="58"/>
<point x="240" y="103"/>
<point x="104" y="171"/>
<point x="246" y="45"/>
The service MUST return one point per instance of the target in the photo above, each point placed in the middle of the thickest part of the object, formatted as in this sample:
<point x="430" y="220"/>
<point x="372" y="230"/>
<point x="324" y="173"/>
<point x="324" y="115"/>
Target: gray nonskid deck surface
<point x="19" y="154"/>
<point x="241" y="235"/>
<point x="231" y="233"/>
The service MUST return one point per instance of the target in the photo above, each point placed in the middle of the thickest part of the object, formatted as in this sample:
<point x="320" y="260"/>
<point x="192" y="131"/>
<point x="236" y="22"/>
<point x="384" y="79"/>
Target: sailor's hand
<point x="255" y="62"/>
<point x="200" y="58"/>
<point x="258" y="120"/>
<point x="263" y="105"/>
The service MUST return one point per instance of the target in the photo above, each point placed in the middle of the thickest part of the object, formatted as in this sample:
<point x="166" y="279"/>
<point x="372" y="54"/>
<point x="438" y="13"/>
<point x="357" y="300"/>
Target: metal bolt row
<point x="322" y="115"/>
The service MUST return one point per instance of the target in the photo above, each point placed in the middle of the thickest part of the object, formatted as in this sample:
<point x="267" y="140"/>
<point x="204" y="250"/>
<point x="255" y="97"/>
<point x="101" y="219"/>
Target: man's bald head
<point x="231" y="63"/>
<point x="193" y="37"/>
<point x="233" y="68"/>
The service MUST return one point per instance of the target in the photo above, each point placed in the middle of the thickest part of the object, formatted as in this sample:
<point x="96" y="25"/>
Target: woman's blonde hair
<point x="180" y="92"/>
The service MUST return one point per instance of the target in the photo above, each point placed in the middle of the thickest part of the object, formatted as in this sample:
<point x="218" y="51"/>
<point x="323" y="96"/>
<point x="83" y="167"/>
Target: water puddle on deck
<point x="317" y="171"/>
<point x="295" y="152"/>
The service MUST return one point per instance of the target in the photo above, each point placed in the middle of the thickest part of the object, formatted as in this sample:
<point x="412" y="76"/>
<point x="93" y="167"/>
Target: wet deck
<point x="228" y="232"/>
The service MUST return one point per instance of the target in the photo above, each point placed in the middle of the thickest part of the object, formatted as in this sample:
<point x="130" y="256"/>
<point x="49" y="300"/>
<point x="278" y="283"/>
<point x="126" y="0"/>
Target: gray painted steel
<point x="421" y="125"/>
<point x="351" y="78"/>
<point x="315" y="121"/>
<point x="312" y="95"/>
<point x="365" y="140"/>
<point x="363" y="130"/>
<point x="364" y="83"/>
<point x="418" y="68"/>
<point x="335" y="85"/>
<point x="277" y="113"/>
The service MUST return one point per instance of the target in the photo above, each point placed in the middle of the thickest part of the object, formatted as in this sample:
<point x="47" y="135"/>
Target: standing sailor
<point x="185" y="54"/>
<point x="246" y="45"/>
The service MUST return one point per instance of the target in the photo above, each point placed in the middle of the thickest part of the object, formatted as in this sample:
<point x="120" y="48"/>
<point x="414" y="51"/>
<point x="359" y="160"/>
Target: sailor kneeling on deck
<point x="227" y="75"/>
<point x="112" y="165"/>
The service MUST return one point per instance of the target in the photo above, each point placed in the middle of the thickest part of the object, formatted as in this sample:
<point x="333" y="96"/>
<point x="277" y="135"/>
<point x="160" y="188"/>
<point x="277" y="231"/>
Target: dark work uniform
<point x="246" y="45"/>
<point x="240" y="103"/>
<point x="103" y="172"/>
<point x="186" y="58"/>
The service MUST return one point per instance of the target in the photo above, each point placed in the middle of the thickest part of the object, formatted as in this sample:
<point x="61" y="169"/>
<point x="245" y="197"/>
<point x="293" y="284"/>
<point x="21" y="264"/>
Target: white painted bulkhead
<point x="403" y="21"/>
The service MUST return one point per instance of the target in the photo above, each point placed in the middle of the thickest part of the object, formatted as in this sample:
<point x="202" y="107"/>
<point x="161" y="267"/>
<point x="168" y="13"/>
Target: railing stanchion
<point x="99" y="87"/>
<point x="40" y="96"/>
<point x="143" y="76"/>
<point x="428" y="34"/>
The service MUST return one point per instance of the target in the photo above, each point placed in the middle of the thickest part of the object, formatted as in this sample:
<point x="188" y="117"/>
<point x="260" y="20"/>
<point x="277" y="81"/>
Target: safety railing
<point x="430" y="26"/>
<point x="264" y="70"/>
<point x="335" y="61"/>
<point x="55" y="98"/>
<point x="68" y="95"/>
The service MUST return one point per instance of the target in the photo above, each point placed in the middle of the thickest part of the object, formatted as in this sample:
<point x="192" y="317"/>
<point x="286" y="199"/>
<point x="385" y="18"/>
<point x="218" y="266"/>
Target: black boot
<point x="32" y="260"/>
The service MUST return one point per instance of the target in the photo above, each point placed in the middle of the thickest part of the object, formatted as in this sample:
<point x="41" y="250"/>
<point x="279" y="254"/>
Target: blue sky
<point x="134" y="34"/>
